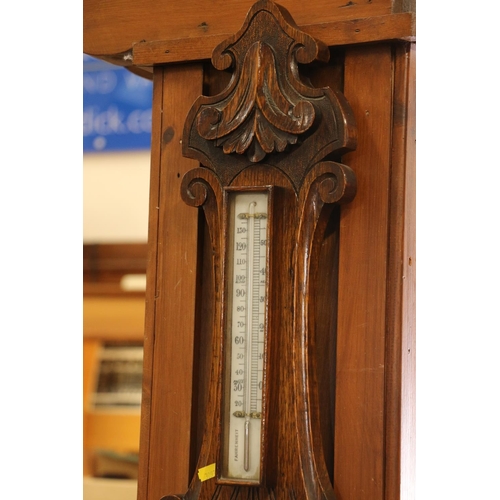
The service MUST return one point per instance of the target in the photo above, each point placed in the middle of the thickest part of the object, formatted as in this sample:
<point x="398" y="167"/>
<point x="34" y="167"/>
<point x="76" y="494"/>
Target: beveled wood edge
<point x="125" y="60"/>
<point x="144" y="54"/>
<point x="402" y="227"/>
<point x="151" y="289"/>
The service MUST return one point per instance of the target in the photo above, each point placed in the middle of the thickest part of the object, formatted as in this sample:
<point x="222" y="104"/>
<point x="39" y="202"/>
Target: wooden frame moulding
<point x="368" y="30"/>
<point x="170" y="295"/>
<point x="193" y="25"/>
<point x="376" y="337"/>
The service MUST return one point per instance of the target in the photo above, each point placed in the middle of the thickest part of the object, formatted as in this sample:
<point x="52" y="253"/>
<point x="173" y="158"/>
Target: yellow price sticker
<point x="207" y="472"/>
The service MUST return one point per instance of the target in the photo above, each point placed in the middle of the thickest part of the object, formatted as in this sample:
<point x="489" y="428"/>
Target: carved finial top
<point x="308" y="49"/>
<point x="258" y="118"/>
<point x="266" y="110"/>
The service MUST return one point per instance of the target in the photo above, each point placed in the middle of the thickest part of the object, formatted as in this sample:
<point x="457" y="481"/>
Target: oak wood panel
<point x="325" y="298"/>
<point x="389" y="27"/>
<point x="203" y="348"/>
<point x="359" y="432"/>
<point x="114" y="26"/>
<point x="171" y="310"/>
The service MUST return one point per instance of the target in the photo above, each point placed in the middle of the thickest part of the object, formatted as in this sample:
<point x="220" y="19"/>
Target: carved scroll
<point x="267" y="113"/>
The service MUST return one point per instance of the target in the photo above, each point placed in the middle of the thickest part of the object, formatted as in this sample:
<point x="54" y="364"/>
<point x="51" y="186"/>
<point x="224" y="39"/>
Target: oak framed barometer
<point x="269" y="187"/>
<point x="280" y="366"/>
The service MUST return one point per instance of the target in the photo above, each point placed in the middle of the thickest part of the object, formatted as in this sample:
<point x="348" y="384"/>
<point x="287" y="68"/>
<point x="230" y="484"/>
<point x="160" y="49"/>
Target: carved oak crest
<point x="267" y="111"/>
<point x="270" y="127"/>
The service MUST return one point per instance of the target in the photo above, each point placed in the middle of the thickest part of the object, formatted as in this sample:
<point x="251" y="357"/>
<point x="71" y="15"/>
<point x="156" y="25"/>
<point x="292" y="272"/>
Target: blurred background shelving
<point x="113" y="326"/>
<point x="116" y="163"/>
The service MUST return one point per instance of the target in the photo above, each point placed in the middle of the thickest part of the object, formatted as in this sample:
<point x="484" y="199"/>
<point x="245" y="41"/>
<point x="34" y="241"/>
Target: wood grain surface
<point x="359" y="420"/>
<point x="399" y="26"/>
<point x="170" y="300"/>
<point x="114" y="26"/>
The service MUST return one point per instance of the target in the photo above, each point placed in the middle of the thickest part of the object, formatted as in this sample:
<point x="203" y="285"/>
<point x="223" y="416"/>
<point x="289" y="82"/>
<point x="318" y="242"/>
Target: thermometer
<point x="245" y="336"/>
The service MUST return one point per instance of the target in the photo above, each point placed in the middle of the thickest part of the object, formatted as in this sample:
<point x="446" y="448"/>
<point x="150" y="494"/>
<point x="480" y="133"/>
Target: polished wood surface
<point x="359" y="431"/>
<point x="113" y="27"/>
<point x="375" y="362"/>
<point x="171" y="293"/>
<point x="380" y="28"/>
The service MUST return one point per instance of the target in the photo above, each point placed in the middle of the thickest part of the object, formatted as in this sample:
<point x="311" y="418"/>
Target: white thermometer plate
<point x="247" y="258"/>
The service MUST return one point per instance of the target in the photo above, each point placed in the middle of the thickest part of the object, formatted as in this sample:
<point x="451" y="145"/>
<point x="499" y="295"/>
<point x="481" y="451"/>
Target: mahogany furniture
<point x="344" y="426"/>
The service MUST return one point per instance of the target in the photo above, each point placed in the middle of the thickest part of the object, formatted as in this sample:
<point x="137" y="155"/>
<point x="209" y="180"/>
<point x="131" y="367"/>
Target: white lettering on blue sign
<point x="114" y="121"/>
<point x="116" y="108"/>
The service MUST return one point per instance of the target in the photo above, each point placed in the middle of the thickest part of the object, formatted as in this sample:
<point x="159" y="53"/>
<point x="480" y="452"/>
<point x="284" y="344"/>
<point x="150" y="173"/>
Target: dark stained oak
<point x="269" y="127"/>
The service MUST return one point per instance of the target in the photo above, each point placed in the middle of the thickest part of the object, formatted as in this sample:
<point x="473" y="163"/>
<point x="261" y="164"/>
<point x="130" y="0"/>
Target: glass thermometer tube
<point x="248" y="263"/>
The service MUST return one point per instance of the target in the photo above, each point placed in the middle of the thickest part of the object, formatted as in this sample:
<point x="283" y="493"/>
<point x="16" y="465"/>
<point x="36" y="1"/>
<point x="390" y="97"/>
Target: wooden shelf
<point x="110" y="316"/>
<point x="113" y="430"/>
<point x="114" y="318"/>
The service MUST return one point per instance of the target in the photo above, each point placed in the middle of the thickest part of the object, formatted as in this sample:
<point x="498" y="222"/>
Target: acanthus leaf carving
<point x="257" y="118"/>
<point x="268" y="112"/>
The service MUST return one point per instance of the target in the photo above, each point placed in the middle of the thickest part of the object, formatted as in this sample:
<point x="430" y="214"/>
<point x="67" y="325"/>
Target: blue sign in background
<point x="116" y="108"/>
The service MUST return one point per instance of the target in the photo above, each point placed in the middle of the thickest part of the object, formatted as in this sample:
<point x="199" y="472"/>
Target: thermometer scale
<point x="245" y="335"/>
